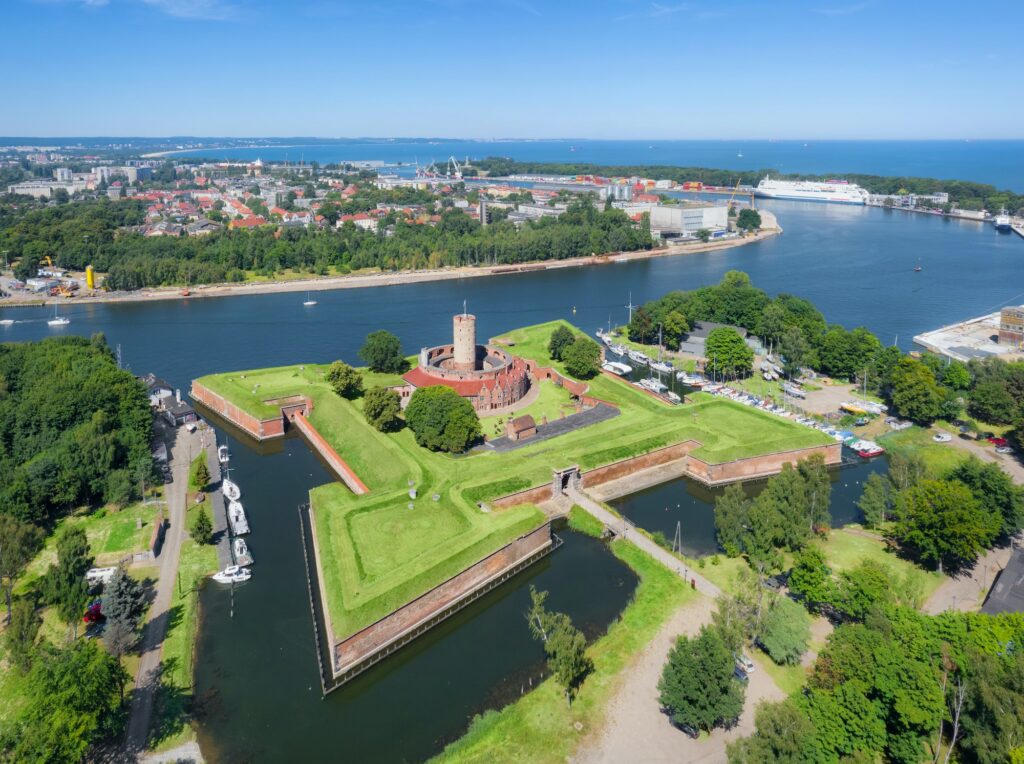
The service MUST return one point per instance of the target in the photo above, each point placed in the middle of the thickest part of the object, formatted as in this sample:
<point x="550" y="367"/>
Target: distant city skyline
<point x="479" y="69"/>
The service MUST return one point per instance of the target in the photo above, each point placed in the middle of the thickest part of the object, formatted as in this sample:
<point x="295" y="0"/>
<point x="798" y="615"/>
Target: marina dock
<point x="217" y="505"/>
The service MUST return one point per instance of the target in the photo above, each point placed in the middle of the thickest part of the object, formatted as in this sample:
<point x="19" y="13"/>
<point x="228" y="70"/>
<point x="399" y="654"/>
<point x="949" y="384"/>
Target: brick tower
<point x="464" y="332"/>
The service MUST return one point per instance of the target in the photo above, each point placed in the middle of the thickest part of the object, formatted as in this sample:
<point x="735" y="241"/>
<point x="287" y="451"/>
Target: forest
<point x="75" y="235"/>
<point x="74" y="429"/>
<point x="963" y="192"/>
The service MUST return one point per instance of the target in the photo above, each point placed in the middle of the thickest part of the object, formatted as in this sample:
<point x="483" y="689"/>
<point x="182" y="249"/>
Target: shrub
<point x="344" y="380"/>
<point x="382" y="408"/>
<point x="785" y="631"/>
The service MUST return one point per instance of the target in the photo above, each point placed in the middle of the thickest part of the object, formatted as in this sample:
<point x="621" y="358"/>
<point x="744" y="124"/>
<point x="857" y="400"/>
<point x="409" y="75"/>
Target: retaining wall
<point x="339" y="465"/>
<point x="260" y="429"/>
<point x="757" y="466"/>
<point x="363" y="649"/>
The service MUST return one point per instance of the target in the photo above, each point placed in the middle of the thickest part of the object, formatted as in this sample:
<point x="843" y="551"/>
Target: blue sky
<point x="513" y="68"/>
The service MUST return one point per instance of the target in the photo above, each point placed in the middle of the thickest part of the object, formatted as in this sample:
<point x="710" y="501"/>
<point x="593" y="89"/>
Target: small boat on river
<point x="242" y="554"/>
<point x="232" y="574"/>
<point x="222" y="454"/>
<point x="614" y="367"/>
<point x="309" y="302"/>
<point x="231" y="490"/>
<point x="237" y="519"/>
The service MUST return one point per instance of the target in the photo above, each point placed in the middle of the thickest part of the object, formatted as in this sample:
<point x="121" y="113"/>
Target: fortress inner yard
<point x="408" y="536"/>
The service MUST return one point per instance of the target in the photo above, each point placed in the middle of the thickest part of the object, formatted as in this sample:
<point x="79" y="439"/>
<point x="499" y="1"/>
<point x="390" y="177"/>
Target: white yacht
<point x="242" y="554"/>
<point x="231" y="490"/>
<point x="310" y="302"/>
<point x="237" y="519"/>
<point x="232" y="574"/>
<point x="653" y="385"/>
<point x="222" y="454"/>
<point x="614" y="367"/>
<point x="58" y="320"/>
<point x="637" y="357"/>
<point x="6" y="321"/>
<point x="662" y="366"/>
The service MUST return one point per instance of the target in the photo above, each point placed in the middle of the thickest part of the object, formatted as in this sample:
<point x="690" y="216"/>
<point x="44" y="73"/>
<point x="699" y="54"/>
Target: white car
<point x="1004" y="450"/>
<point x="745" y="663"/>
<point x="942" y="437"/>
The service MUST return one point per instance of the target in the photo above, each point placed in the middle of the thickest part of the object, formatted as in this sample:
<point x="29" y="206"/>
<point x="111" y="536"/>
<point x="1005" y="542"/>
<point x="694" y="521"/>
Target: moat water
<point x="256" y="671"/>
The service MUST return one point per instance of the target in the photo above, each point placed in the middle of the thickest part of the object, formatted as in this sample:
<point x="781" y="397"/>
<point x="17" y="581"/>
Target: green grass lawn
<point x="939" y="458"/>
<point x="171" y="726"/>
<point x="540" y="726"/>
<point x="112" y="534"/>
<point x="377" y="554"/>
<point x="844" y="551"/>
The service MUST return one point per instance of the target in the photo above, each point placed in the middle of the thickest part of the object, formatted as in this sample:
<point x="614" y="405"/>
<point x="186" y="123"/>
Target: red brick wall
<point x="363" y="644"/>
<point x="758" y="466"/>
<point x="529" y="496"/>
<point x="625" y="467"/>
<point x="260" y="429"/>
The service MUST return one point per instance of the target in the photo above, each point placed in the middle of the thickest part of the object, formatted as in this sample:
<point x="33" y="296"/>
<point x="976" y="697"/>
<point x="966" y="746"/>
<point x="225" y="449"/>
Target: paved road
<point x="181" y="446"/>
<point x="1011" y="463"/>
<point x="663" y="556"/>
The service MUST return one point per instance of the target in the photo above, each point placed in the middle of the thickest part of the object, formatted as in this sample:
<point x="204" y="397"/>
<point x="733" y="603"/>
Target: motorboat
<point x="232" y="574"/>
<point x="637" y="357"/>
<point x="242" y="554"/>
<point x="654" y="385"/>
<point x="231" y="490"/>
<point x="661" y="366"/>
<point x="614" y="367"/>
<point x="673" y="397"/>
<point x="617" y="349"/>
<point x="237" y="519"/>
<point x="866" y="448"/>
<point x="6" y="321"/>
<point x="222" y="454"/>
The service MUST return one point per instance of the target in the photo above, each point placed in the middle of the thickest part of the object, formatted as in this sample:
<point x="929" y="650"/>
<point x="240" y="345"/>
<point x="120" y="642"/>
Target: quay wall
<point x="354" y="654"/>
<point x="757" y="466"/>
<point x="339" y="465"/>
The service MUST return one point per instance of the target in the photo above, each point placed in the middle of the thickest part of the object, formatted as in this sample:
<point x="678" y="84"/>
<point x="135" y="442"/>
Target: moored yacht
<point x="231" y="490"/>
<point x="232" y="574"/>
<point x="237" y="519"/>
<point x="222" y="454"/>
<point x="242" y="554"/>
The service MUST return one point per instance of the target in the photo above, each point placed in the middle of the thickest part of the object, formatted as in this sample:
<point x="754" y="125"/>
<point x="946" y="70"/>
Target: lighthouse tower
<point x="464" y="333"/>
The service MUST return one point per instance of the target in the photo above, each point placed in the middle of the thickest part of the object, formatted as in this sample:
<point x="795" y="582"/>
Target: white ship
<point x="834" y="191"/>
<point x="237" y="519"/>
<point x="232" y="574"/>
<point x="1001" y="221"/>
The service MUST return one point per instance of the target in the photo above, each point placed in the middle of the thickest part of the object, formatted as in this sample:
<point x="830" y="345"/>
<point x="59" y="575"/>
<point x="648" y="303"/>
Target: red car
<point x="93" y="613"/>
<point x="996" y="441"/>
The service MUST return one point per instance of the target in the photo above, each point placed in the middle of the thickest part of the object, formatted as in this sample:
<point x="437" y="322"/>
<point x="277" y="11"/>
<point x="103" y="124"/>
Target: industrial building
<point x="685" y="219"/>
<point x="1011" y="326"/>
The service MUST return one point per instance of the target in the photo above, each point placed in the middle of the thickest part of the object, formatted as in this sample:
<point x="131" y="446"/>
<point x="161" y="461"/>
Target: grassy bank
<point x="171" y="726"/>
<point x="939" y="458"/>
<point x="541" y="727"/>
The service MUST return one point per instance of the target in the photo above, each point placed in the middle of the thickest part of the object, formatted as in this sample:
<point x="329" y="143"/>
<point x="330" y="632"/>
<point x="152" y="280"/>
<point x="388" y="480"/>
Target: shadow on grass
<point x="173" y="706"/>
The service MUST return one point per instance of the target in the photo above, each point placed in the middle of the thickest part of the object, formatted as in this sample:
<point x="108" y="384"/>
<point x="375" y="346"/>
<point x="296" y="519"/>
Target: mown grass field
<point x="939" y="458"/>
<point x="376" y="553"/>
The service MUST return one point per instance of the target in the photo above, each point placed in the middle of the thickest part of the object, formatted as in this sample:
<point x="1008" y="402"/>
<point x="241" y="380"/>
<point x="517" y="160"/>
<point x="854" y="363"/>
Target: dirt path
<point x="967" y="590"/>
<point x="182" y="445"/>
<point x="637" y="731"/>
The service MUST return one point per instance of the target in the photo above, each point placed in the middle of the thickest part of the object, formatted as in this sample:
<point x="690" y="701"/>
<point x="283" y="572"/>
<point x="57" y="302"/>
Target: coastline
<point x="324" y="283"/>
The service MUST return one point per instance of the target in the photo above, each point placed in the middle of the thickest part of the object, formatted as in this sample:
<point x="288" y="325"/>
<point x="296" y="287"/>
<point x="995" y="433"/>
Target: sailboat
<point x="918" y="268"/>
<point x="58" y="320"/>
<point x="309" y="303"/>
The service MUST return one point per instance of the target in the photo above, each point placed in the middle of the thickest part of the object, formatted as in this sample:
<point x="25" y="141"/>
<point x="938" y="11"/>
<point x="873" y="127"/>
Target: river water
<point x="256" y="670"/>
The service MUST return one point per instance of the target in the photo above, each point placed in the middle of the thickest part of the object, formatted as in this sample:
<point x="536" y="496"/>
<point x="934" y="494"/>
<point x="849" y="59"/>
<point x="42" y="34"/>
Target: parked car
<point x="741" y="674"/>
<point x="691" y="732"/>
<point x="996" y="441"/>
<point x="1004" y="450"/>
<point x="744" y="663"/>
<point x="942" y="437"/>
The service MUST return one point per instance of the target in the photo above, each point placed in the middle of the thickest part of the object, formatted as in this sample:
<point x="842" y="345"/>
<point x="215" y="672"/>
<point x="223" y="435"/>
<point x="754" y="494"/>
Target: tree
<point x="561" y="338"/>
<point x="674" y="329"/>
<point x="382" y="408"/>
<point x="564" y="644"/>
<point x="202" y="527"/>
<point x="66" y="581"/>
<point x="818" y="490"/>
<point x="906" y="471"/>
<point x="732" y="511"/>
<point x="784" y="735"/>
<point x="748" y="220"/>
<point x="124" y="602"/>
<point x="382" y="352"/>
<point x="344" y="380"/>
<point x="582" y="358"/>
<point x="202" y="474"/>
<point x="876" y="501"/>
<point x="727" y="354"/>
<point x="794" y="348"/>
<point x="19" y="543"/>
<point x="809" y="578"/>
<point x="994" y="490"/>
<point x="915" y="393"/>
<point x="785" y="632"/>
<point x="704" y="235"/>
<point x="441" y="419"/>
<point x="697" y="686"/>
<point x="991" y="402"/>
<point x="74" y="699"/>
<point x="21" y="632"/>
<point x="641" y="327"/>
<point x="993" y="714"/>
<point x="942" y="522"/>
<point x="956" y="375"/>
